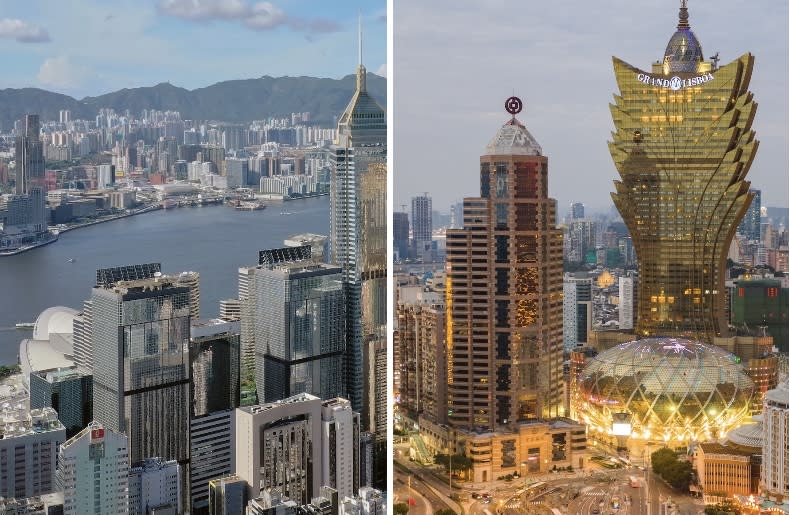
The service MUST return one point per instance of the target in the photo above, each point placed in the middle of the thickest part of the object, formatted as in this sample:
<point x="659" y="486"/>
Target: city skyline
<point x="562" y="70"/>
<point x="159" y="41"/>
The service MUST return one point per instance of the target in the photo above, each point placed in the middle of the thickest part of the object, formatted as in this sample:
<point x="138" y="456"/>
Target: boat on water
<point x="25" y="325"/>
<point x="71" y="260"/>
<point x="250" y="206"/>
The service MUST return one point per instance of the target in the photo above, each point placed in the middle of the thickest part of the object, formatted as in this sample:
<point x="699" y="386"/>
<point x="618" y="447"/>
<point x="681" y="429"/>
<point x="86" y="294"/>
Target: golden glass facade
<point x="683" y="145"/>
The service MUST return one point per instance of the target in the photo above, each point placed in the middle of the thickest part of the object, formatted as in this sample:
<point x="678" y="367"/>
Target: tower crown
<point x="683" y="52"/>
<point x="513" y="138"/>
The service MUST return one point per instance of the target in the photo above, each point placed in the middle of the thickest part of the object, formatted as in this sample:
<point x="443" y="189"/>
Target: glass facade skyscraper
<point x="358" y="237"/>
<point x="140" y="338"/>
<point x="299" y="330"/>
<point x="683" y="145"/>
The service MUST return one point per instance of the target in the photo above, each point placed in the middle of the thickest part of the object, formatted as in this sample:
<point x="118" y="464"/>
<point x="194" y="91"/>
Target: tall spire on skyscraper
<point x="361" y="71"/>
<point x="683" y="15"/>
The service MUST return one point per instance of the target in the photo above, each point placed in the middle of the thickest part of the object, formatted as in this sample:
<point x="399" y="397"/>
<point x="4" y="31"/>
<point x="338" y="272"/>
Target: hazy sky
<point x="455" y="62"/>
<point x="90" y="47"/>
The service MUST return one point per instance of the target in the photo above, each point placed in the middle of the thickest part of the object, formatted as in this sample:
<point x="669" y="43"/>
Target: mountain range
<point x="229" y="101"/>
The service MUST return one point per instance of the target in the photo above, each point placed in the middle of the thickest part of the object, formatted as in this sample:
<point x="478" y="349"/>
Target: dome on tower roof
<point x="513" y="139"/>
<point x="683" y="52"/>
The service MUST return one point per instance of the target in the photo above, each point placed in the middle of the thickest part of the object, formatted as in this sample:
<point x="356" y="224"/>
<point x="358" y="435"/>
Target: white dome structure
<point x="55" y="320"/>
<point x="52" y="344"/>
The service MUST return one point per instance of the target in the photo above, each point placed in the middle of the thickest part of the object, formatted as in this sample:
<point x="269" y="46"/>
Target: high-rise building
<point x="140" y="334"/>
<point x="191" y="280"/>
<point x="577" y="310"/>
<point x="278" y="447"/>
<point x="28" y="451"/>
<point x="775" y="443"/>
<point x="626" y="302"/>
<point x="751" y="224"/>
<point x="93" y="472"/>
<point x="340" y="439"/>
<point x="66" y="391"/>
<point x="421" y="330"/>
<point x="422" y="224"/>
<point x="227" y="495"/>
<point x="683" y="145"/>
<point x="155" y="487"/>
<point x="30" y="178"/>
<point x="299" y="335"/>
<point x="576" y="211"/>
<point x="214" y="356"/>
<point x="400" y="233"/>
<point x="358" y="221"/>
<point x="504" y="292"/>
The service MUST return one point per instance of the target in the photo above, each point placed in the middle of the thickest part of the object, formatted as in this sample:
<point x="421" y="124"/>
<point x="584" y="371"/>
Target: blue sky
<point x="91" y="47"/>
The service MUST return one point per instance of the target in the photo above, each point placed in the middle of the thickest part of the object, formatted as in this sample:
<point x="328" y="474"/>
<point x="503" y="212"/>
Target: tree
<point x="400" y="508"/>
<point x="661" y="459"/>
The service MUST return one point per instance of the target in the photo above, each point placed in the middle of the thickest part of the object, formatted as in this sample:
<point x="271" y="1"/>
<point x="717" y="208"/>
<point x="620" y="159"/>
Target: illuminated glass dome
<point x="669" y="389"/>
<point x="683" y="52"/>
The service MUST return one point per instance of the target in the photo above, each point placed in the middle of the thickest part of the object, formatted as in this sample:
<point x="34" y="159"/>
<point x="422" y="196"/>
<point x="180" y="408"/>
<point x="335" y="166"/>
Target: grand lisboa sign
<point x="674" y="83"/>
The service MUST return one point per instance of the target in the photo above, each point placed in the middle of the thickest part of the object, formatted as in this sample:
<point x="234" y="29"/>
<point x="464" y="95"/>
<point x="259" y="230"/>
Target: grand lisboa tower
<point x="683" y="145"/>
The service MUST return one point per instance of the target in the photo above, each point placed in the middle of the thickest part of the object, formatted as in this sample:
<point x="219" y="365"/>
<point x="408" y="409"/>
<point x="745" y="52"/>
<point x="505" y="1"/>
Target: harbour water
<point x="212" y="240"/>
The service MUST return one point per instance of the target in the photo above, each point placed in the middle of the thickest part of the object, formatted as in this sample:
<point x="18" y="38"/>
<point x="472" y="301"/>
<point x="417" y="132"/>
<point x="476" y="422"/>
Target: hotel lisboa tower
<point x="683" y="146"/>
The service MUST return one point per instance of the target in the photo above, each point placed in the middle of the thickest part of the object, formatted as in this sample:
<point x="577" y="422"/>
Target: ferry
<point x="250" y="206"/>
<point x="25" y="325"/>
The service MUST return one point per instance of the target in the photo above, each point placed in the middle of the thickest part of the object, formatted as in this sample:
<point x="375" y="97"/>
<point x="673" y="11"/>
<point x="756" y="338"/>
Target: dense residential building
<point x="775" y="446"/>
<point x="422" y="363"/>
<point x="358" y="237"/>
<point x="504" y="293"/>
<point x="28" y="451"/>
<point x="682" y="211"/>
<point x="93" y="472"/>
<point x="140" y="334"/>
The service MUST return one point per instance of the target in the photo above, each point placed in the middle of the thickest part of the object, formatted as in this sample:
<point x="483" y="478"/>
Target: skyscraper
<point x="751" y="225"/>
<point x="357" y="223"/>
<point x="683" y="145"/>
<point x="576" y="211"/>
<point x="299" y="334"/>
<point x="140" y="335"/>
<point x="422" y="223"/>
<point x="504" y="291"/>
<point x="577" y="310"/>
<point x="93" y="472"/>
<point x="29" y="159"/>
<point x="400" y="234"/>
